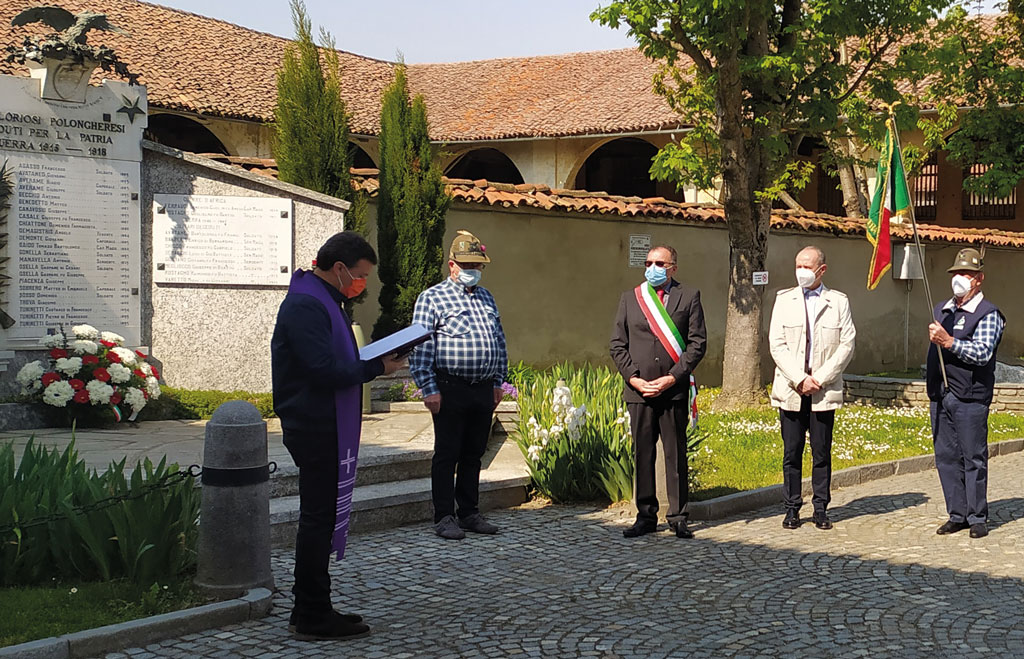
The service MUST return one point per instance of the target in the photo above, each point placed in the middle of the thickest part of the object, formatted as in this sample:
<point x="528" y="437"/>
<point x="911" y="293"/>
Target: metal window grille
<point x="926" y="188"/>
<point x="986" y="207"/>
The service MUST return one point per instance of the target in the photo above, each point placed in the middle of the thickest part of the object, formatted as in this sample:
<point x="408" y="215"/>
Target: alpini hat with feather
<point x="467" y="248"/>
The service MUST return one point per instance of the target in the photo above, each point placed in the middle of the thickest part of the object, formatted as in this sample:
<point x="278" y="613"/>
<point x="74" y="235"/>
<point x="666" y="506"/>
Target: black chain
<point x="164" y="482"/>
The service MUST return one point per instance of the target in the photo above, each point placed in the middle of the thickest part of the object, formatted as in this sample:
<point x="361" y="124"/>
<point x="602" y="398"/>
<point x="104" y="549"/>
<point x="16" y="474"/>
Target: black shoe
<point x="681" y="531"/>
<point x="952" y="527"/>
<point x="347" y="617"/>
<point x="792" y="520"/>
<point x="979" y="530"/>
<point x="331" y="629"/>
<point x="822" y="521"/>
<point x="640" y="528"/>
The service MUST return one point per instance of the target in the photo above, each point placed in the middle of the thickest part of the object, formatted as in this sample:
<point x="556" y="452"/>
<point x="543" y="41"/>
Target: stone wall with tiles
<point x="891" y="392"/>
<point x="211" y="336"/>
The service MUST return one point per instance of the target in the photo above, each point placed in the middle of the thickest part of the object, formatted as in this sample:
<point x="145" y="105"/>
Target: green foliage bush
<point x="200" y="404"/>
<point x="146" y="538"/>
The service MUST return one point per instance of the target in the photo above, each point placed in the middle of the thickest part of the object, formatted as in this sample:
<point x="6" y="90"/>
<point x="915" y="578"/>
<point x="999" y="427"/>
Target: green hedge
<point x="200" y="404"/>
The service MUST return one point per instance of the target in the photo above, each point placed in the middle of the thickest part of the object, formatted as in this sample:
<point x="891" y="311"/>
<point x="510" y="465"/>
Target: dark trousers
<point x="316" y="456"/>
<point x="649" y="421"/>
<point x="960" y="433"/>
<point x="795" y="427"/>
<point x="461" y="430"/>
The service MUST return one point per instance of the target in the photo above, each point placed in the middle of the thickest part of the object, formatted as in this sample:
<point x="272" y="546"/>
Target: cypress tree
<point x="311" y="139"/>
<point x="411" y="207"/>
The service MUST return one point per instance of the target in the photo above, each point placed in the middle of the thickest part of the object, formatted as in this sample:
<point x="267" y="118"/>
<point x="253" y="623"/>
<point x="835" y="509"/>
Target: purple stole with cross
<point x="348" y="402"/>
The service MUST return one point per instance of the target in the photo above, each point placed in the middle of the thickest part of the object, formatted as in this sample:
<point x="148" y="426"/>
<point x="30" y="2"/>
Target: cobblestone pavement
<point x="563" y="582"/>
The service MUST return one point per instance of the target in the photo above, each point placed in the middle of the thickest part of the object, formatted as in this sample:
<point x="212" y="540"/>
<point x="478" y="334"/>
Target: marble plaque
<point x="74" y="245"/>
<point x="208" y="239"/>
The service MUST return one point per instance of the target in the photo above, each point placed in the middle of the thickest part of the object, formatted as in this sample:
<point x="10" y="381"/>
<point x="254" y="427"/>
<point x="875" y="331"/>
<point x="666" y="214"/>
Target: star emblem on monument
<point x="131" y="108"/>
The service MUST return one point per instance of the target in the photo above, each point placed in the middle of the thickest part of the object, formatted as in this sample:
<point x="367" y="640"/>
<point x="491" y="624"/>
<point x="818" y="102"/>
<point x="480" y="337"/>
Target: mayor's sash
<point x="668" y="335"/>
<point x="348" y="407"/>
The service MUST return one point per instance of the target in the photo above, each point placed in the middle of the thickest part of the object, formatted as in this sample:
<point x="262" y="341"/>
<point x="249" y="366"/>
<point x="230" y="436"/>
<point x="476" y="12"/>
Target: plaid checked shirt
<point x="978" y="350"/>
<point x="469" y="341"/>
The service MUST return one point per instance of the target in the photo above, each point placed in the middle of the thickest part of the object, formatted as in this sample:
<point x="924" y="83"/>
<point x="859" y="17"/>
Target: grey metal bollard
<point x="234" y="523"/>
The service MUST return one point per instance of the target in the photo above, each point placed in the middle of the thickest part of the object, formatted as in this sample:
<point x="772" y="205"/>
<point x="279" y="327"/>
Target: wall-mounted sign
<point x="208" y="239"/>
<point x="761" y="278"/>
<point x="639" y="245"/>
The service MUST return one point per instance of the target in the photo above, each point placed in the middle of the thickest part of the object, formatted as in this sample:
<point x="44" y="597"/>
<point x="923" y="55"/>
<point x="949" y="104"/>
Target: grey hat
<point x="967" y="259"/>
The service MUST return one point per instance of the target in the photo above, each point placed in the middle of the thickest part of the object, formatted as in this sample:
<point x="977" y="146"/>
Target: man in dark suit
<point x="658" y="339"/>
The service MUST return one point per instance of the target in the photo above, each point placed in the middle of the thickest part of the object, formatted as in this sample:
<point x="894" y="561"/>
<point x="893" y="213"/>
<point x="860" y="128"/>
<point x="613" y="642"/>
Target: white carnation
<point x="119" y="373"/>
<point x="86" y="332"/>
<point x="30" y="373"/>
<point x="69" y="365"/>
<point x="135" y="399"/>
<point x="128" y="357"/>
<point x="58" y="393"/>
<point x="153" y="387"/>
<point x="52" y="340"/>
<point x="99" y="392"/>
<point x="84" y="346"/>
<point x="146" y="368"/>
<point x="112" y="337"/>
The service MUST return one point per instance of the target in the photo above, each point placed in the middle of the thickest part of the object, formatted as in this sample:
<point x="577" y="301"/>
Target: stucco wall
<point x="213" y="336"/>
<point x="557" y="279"/>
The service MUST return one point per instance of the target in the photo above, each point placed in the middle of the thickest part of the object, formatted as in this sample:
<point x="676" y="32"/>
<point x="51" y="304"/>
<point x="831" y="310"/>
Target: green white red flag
<point x="892" y="199"/>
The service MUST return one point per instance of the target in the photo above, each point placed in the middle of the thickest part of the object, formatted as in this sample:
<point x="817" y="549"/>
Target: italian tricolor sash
<point x="667" y="333"/>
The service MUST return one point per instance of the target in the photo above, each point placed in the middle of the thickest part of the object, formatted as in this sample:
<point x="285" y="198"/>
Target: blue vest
<point x="967" y="382"/>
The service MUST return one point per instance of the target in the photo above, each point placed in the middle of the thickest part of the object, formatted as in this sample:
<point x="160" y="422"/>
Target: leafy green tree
<point x="411" y="207"/>
<point x="311" y="139"/>
<point x="754" y="78"/>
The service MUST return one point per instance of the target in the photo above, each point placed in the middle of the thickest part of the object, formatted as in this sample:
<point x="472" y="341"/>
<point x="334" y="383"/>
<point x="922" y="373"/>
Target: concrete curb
<point x="256" y="603"/>
<point x="743" y="502"/>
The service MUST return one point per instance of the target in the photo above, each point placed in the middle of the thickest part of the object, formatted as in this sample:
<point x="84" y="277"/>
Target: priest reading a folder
<point x="317" y="382"/>
<point x="460" y="371"/>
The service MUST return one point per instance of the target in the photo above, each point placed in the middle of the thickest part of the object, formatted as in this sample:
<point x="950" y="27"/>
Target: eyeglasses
<point x="471" y="266"/>
<point x="660" y="264"/>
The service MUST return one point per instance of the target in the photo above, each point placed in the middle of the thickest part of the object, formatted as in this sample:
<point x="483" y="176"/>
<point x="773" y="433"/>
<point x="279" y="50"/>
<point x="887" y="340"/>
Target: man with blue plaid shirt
<point x="968" y="331"/>
<point x="460" y="371"/>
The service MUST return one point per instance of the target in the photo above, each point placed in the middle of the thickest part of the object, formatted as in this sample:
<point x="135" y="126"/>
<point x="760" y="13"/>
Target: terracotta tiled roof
<point x="544" y="198"/>
<point x="198" y="64"/>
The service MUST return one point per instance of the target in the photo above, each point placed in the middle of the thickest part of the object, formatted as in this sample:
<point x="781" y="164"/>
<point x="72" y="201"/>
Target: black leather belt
<point x="449" y="379"/>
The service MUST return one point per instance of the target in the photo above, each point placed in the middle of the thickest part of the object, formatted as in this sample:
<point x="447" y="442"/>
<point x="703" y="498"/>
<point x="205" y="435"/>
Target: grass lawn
<point x="743" y="451"/>
<point x="31" y="613"/>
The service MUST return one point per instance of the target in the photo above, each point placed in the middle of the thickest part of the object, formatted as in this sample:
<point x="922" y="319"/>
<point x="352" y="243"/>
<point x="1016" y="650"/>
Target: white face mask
<point x="805" y="277"/>
<point x="961" y="285"/>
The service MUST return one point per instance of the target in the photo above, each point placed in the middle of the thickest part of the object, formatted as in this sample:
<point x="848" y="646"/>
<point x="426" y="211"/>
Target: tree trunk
<point x="853" y="202"/>
<point x="748" y="221"/>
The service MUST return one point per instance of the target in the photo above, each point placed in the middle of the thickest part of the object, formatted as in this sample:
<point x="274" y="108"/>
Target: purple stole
<point x="348" y="403"/>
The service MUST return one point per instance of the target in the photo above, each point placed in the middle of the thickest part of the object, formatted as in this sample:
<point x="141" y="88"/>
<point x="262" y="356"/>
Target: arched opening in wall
<point x="360" y="158"/>
<point x="489" y="164"/>
<point x="183" y="133"/>
<point x="622" y="167"/>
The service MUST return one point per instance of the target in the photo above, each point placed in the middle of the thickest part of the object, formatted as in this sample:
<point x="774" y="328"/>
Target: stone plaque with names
<point x="639" y="245"/>
<point x="74" y="247"/>
<point x="208" y="239"/>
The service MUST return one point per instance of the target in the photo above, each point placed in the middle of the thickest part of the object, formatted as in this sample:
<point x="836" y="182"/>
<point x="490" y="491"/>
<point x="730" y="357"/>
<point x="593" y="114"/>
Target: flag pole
<point x="917" y="244"/>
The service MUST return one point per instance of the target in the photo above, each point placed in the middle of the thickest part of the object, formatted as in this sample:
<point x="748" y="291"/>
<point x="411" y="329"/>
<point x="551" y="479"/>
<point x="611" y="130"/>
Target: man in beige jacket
<point x="811" y="339"/>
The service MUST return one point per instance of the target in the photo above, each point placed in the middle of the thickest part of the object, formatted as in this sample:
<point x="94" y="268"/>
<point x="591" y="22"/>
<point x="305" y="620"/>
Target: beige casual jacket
<point x="833" y="335"/>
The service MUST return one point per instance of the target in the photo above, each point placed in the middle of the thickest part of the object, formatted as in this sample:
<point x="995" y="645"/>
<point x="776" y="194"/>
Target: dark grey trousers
<point x="796" y="426"/>
<point x="960" y="433"/>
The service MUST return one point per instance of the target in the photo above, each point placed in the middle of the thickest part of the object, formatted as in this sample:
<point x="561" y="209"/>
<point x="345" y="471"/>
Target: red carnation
<point x="145" y="394"/>
<point x="141" y="354"/>
<point x="90" y="359"/>
<point x="115" y="398"/>
<point x="156" y="373"/>
<point x="101" y="374"/>
<point x="59" y="353"/>
<point x="76" y="384"/>
<point x="108" y="344"/>
<point x="81" y="396"/>
<point x="139" y="373"/>
<point x="50" y="378"/>
<point x="112" y="356"/>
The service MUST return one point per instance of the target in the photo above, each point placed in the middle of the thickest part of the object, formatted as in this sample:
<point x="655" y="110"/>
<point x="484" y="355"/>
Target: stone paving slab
<point x="561" y="581"/>
<point x="181" y="441"/>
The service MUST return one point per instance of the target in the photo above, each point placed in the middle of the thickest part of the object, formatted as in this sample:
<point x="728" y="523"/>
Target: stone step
<point x="388" y="505"/>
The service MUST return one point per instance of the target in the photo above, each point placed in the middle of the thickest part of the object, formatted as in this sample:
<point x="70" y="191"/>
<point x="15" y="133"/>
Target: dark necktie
<point x="807" y="339"/>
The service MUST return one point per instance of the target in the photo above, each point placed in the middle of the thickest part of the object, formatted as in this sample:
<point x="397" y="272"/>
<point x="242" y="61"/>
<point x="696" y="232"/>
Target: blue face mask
<point x="469" y="278"/>
<point x="656" y="276"/>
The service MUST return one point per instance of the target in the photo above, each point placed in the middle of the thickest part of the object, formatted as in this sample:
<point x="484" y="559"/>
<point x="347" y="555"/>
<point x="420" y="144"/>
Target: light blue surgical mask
<point x="656" y="276"/>
<point x="469" y="278"/>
